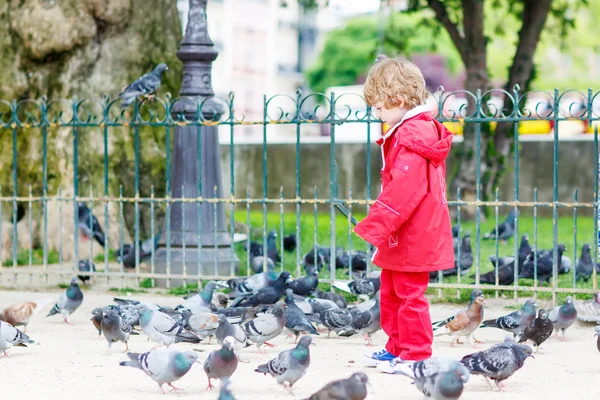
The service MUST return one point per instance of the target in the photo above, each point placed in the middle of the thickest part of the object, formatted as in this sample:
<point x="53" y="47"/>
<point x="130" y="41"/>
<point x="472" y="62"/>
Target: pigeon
<point x="226" y="329"/>
<point x="19" y="314"/>
<point x="360" y="287"/>
<point x="88" y="224"/>
<point x="335" y="319"/>
<point x="225" y="393"/>
<point x="200" y="302"/>
<point x="115" y="329"/>
<point x="86" y="266"/>
<point x="352" y="388"/>
<point x="504" y="230"/>
<point x="162" y="329"/>
<point x="295" y="320"/>
<point x="306" y="285"/>
<point x="447" y="385"/>
<point x="163" y="365"/>
<point x="312" y="307"/>
<point x="464" y="262"/>
<point x="565" y="265"/>
<point x="289" y="243"/>
<point x="272" y="251"/>
<point x="425" y="368"/>
<point x="266" y="326"/>
<point x="97" y="315"/>
<point x="515" y="322"/>
<point x="222" y="363"/>
<point x="499" y="362"/>
<point x="540" y="330"/>
<point x="354" y="260"/>
<point x="563" y="317"/>
<point x="506" y="275"/>
<point x="252" y="284"/>
<point x="268" y="295"/>
<point x="589" y="310"/>
<point x="258" y="264"/>
<point x="597" y="334"/>
<point x="146" y="247"/>
<point x="585" y="265"/>
<point x="11" y="336"/>
<point x="203" y="324"/>
<point x="336" y="298"/>
<point x="146" y="85"/>
<point x="465" y="322"/>
<point x="318" y="257"/>
<point x="544" y="264"/>
<point x="69" y="301"/>
<point x="290" y="365"/>
<point x="365" y="322"/>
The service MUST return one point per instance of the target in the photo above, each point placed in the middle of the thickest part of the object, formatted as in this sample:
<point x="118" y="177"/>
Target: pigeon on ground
<point x="585" y="265"/>
<point x="226" y="329"/>
<point x="201" y="302"/>
<point x="272" y="251"/>
<point x="334" y="319"/>
<point x="425" y="368"/>
<point x="88" y="224"/>
<point x="506" y="275"/>
<point x="295" y="320"/>
<point x="11" y="336"/>
<point x="289" y="243"/>
<point x="146" y="247"/>
<point x="356" y="260"/>
<point x="311" y="306"/>
<point x="115" y="329"/>
<point x="318" y="257"/>
<point x="163" y="365"/>
<point x="252" y="284"/>
<point x="353" y="388"/>
<point x="97" y="315"/>
<point x="499" y="362"/>
<point x="69" y="301"/>
<point x="266" y="326"/>
<point x="361" y="287"/>
<point x="464" y="262"/>
<point x="447" y="385"/>
<point x="504" y="230"/>
<point x="545" y="264"/>
<point x="336" y="298"/>
<point x="515" y="322"/>
<point x="465" y="322"/>
<point x="290" y="365"/>
<point x="162" y="329"/>
<point x="225" y="393"/>
<point x="563" y="317"/>
<point x="86" y="266"/>
<point x="146" y="85"/>
<point x="306" y="285"/>
<point x="597" y="334"/>
<point x="222" y="363"/>
<point x="540" y="330"/>
<point x="203" y="324"/>
<point x="365" y="322"/>
<point x="268" y="295"/>
<point x="589" y="310"/>
<point x="19" y="314"/>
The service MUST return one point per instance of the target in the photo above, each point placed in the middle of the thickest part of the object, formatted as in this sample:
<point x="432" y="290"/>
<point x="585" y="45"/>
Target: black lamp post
<point x="211" y="249"/>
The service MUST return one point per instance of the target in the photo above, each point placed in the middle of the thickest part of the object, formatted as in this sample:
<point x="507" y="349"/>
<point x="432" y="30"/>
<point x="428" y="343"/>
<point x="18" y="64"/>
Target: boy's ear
<point x="400" y="101"/>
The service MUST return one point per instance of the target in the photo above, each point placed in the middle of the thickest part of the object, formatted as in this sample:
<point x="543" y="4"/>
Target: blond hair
<point x="393" y="79"/>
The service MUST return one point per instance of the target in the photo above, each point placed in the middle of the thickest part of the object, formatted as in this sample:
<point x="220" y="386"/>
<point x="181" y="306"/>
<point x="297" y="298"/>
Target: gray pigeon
<point x="200" y="302"/>
<point x="115" y="329"/>
<point x="597" y="334"/>
<point x="69" y="301"/>
<point x="162" y="329"/>
<point x="365" y="322"/>
<point x="563" y="317"/>
<point x="334" y="319"/>
<point x="266" y="326"/>
<point x="336" y="298"/>
<point x="226" y="329"/>
<point x="143" y="86"/>
<point x="290" y="365"/>
<point x="425" y="368"/>
<point x="203" y="324"/>
<point x="222" y="363"/>
<point x="353" y="388"/>
<point x="226" y="390"/>
<point x="515" y="322"/>
<point x="11" y="336"/>
<point x="498" y="362"/>
<point x="163" y="365"/>
<point x="97" y="315"/>
<point x="295" y="320"/>
<point x="89" y="225"/>
<point x="447" y="385"/>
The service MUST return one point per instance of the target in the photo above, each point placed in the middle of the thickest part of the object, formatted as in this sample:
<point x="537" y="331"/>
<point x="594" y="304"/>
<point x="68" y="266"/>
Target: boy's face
<point x="390" y="116"/>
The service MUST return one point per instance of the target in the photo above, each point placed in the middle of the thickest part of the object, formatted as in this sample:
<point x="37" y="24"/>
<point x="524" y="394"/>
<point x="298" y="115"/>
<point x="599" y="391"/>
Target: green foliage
<point x="183" y="290"/>
<point x="126" y="290"/>
<point x="37" y="258"/>
<point x="147" y="283"/>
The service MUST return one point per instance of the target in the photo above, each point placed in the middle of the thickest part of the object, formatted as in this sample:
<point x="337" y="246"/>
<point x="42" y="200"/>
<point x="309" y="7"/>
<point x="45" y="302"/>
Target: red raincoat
<point x="409" y="223"/>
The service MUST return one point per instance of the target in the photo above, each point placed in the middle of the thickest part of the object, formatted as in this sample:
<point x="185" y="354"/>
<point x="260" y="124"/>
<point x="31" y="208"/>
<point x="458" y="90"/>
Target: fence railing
<point x="59" y="154"/>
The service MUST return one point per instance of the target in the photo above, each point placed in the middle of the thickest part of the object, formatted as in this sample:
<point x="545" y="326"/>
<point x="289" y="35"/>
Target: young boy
<point x="409" y="223"/>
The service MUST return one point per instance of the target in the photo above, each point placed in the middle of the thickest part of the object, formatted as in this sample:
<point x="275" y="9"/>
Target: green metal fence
<point x="31" y="132"/>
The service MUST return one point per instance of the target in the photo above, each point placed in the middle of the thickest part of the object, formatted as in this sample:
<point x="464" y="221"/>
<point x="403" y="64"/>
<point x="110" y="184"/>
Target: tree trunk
<point x="83" y="49"/>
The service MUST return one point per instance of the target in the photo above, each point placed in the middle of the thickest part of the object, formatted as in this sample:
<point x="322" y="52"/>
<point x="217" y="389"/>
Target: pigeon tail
<point x="133" y="362"/>
<point x="264" y="368"/>
<point x="187" y="338"/>
<point x="53" y="311"/>
<point x="490" y="323"/>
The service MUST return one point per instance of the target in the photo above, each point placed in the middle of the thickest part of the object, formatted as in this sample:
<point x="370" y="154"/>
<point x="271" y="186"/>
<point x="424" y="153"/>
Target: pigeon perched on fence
<point x="88" y="224"/>
<point x="499" y="362"/>
<point x="515" y="322"/>
<point x="11" y="336"/>
<point x="19" y="314"/>
<point x="352" y="388"/>
<point x="540" y="330"/>
<point x="465" y="322"/>
<point x="146" y="85"/>
<point x="563" y="317"/>
<point x="447" y="385"/>
<point x="115" y="329"/>
<point x="69" y="301"/>
<point x="162" y="329"/>
<point x="504" y="230"/>
<point x="290" y="365"/>
<point x="265" y="327"/>
<point x="163" y="365"/>
<point x="221" y="363"/>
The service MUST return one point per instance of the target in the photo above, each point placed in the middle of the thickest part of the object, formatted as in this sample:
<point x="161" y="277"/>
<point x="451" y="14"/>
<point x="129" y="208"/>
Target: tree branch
<point x="442" y="15"/>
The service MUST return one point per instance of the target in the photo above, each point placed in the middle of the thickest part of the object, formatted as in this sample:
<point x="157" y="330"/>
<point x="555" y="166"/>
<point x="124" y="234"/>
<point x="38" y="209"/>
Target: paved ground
<point x="70" y="362"/>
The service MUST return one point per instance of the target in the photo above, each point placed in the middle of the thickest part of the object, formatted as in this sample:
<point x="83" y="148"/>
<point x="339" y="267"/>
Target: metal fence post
<point x="212" y="246"/>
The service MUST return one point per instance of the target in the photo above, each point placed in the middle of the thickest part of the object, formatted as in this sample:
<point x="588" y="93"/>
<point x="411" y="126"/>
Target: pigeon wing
<point x="280" y="364"/>
<point x="510" y="321"/>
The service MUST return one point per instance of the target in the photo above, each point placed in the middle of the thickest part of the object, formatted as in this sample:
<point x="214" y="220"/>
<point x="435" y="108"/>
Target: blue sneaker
<point x="373" y="359"/>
